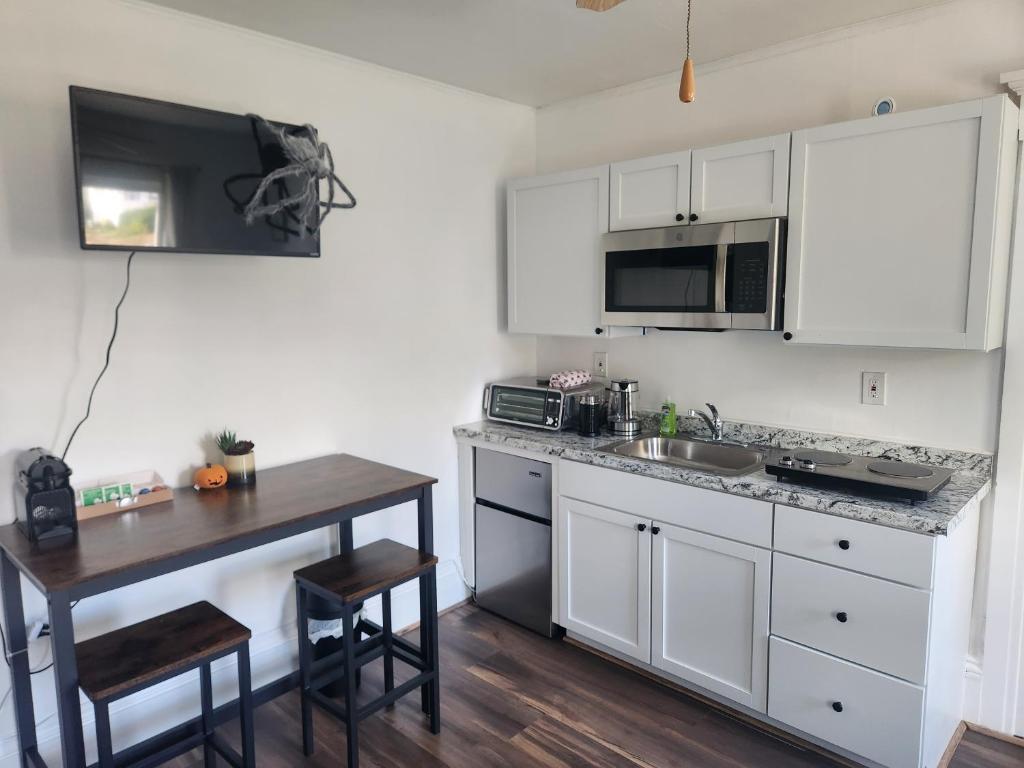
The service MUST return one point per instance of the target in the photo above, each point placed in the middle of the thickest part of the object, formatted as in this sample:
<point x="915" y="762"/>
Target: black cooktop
<point x="858" y="474"/>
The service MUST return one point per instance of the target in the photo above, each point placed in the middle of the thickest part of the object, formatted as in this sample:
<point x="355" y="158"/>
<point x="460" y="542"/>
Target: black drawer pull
<point x="655" y="530"/>
<point x="844" y="544"/>
<point x="641" y="527"/>
<point x="841" y="617"/>
<point x="837" y="706"/>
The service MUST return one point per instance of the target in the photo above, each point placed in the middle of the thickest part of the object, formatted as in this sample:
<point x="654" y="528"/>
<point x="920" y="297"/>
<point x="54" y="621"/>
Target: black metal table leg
<point x="351" y="709"/>
<point x="305" y="666"/>
<point x="434" y="658"/>
<point x="65" y="675"/>
<point x="245" y="717"/>
<point x="21" y="680"/>
<point x="425" y="531"/>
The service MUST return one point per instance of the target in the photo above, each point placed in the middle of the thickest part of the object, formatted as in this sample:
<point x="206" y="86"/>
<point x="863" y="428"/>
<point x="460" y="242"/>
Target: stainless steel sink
<point x="720" y="458"/>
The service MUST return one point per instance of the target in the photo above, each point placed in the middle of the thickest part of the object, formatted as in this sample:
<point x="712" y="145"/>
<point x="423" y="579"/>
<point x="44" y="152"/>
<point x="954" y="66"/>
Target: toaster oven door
<point x="528" y="406"/>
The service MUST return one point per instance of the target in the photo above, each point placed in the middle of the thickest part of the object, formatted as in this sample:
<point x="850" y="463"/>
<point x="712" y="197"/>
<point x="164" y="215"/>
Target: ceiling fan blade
<point x="597" y="5"/>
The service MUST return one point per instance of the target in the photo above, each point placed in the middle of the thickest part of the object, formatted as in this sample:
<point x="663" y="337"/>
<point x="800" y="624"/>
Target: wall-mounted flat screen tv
<point x="155" y="176"/>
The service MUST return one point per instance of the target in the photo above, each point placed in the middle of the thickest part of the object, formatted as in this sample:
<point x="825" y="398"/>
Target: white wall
<point x="937" y="56"/>
<point x="363" y="350"/>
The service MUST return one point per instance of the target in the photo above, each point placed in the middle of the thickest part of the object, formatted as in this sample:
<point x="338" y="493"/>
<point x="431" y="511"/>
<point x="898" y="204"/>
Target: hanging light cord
<point x="689" y="4"/>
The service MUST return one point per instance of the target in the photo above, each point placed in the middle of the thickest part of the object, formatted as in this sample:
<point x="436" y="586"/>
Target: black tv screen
<point x="155" y="176"/>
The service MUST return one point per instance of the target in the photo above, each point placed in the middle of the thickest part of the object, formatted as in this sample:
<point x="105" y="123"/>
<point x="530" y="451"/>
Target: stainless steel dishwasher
<point x="513" y="539"/>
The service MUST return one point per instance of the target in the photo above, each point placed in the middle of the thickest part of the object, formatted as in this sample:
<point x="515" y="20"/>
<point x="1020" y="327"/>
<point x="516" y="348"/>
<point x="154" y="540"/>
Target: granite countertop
<point x="970" y="483"/>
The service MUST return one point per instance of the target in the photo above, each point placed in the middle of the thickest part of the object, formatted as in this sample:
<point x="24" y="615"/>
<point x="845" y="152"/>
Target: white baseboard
<point x="273" y="654"/>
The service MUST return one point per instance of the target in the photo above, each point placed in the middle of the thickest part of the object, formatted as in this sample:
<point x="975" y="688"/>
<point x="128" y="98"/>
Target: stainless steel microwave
<point x="708" y="276"/>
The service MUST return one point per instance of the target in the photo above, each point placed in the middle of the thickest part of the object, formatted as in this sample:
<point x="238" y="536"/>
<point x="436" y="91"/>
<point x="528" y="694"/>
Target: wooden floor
<point x="511" y="698"/>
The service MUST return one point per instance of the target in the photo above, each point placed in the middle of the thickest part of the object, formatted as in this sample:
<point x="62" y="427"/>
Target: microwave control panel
<point x="746" y="287"/>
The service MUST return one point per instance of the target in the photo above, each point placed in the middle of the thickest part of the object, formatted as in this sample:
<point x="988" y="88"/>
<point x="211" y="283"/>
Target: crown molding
<point x="815" y="40"/>
<point x="1014" y="81"/>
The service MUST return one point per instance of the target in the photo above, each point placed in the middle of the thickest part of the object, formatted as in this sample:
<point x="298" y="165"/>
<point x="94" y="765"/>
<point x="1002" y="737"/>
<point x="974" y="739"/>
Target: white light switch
<point x="872" y="388"/>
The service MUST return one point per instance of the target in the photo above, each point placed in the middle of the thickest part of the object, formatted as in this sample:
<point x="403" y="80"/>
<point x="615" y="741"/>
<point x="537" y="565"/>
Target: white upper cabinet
<point x="745" y="180"/>
<point x="710" y="613"/>
<point x="650" y="192"/>
<point x="555" y="225"/>
<point x="899" y="228"/>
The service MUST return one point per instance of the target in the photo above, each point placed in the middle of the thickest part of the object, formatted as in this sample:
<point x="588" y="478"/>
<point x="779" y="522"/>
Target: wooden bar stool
<point x="127" y="660"/>
<point x="350" y="579"/>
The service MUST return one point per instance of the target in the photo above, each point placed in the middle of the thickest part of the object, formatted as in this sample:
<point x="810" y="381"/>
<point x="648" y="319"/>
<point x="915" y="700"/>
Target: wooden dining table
<point x="196" y="527"/>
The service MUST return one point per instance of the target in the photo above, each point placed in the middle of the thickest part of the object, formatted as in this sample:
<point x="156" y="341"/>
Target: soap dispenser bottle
<point x="668" y="418"/>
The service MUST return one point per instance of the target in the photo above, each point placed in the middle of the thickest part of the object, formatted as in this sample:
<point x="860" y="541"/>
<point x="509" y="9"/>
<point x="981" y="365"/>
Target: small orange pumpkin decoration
<point x="210" y="476"/>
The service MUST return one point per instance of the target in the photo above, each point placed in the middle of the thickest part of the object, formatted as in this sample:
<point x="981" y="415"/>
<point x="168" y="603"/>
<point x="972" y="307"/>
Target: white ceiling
<point x="538" y="51"/>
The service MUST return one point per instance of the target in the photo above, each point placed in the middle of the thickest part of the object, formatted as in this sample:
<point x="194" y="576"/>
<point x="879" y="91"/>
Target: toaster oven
<point x="530" y="402"/>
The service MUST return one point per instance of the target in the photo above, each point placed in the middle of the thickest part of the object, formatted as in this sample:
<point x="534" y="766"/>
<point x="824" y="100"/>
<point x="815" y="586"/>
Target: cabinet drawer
<point x="880" y="717"/>
<point x="720" y="514"/>
<point x="876" y="623"/>
<point x="873" y="549"/>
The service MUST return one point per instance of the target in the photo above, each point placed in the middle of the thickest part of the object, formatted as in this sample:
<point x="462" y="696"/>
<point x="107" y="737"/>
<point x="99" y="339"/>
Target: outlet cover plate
<point x="872" y="388"/>
<point x="601" y="364"/>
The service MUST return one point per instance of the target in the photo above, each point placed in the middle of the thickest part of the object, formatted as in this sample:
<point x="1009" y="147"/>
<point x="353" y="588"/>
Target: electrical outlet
<point x="872" y="388"/>
<point x="601" y="364"/>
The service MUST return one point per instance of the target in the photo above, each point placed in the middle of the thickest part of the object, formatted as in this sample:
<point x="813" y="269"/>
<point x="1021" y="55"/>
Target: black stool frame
<point x="356" y="653"/>
<point x="210" y="741"/>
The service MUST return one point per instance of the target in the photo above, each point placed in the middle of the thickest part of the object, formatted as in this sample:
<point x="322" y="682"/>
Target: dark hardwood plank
<point x="513" y="699"/>
<point x="978" y="750"/>
<point x="367" y="570"/>
<point x="118" y="661"/>
<point x="196" y="521"/>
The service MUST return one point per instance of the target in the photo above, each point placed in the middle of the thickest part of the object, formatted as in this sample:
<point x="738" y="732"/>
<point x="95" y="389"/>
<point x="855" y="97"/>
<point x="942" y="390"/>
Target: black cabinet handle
<point x="655" y="530"/>
<point x="693" y="217"/>
<point x="787" y="336"/>
<point x="844" y="544"/>
<point x="679" y="217"/>
<point x="841" y="617"/>
<point x="641" y="527"/>
<point x="837" y="706"/>
<point x="599" y="331"/>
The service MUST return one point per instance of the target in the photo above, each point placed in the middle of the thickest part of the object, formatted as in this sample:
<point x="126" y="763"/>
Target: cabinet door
<point x="650" y="192"/>
<point x="710" y="603"/>
<point x="605" y="576"/>
<point x="899" y="228"/>
<point x="745" y="180"/>
<point x="555" y="225"/>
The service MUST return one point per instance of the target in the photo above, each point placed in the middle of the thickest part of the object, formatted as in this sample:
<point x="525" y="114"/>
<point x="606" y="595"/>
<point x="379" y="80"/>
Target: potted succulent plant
<point x="239" y="459"/>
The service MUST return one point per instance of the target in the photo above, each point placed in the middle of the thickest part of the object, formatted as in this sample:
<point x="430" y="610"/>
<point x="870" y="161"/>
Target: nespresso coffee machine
<point x="49" y="500"/>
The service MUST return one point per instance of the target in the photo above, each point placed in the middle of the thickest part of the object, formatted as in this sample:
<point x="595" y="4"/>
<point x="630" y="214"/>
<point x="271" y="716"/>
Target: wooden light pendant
<point x="597" y="5"/>
<point x="687" y="83"/>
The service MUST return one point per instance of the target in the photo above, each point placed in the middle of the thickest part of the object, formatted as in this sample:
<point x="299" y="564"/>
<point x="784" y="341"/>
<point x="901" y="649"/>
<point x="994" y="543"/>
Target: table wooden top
<point x="197" y="521"/>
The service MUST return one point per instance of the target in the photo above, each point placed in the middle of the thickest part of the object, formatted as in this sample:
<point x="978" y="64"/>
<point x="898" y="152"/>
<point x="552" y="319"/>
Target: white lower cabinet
<point x="710" y="612"/>
<point x="868" y="713"/>
<point x="605" y="576"/>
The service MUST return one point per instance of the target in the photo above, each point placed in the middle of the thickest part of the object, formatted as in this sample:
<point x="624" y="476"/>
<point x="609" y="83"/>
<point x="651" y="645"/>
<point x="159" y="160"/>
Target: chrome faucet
<point x="714" y="421"/>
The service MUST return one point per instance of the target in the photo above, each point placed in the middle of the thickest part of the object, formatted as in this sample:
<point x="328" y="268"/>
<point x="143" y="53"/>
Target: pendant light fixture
<point x="687" y="84"/>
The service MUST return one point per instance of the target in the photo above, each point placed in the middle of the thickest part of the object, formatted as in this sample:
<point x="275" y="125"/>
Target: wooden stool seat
<point x="153" y="649"/>
<point x="348" y="580"/>
<point x="366" y="571"/>
<point x="127" y="660"/>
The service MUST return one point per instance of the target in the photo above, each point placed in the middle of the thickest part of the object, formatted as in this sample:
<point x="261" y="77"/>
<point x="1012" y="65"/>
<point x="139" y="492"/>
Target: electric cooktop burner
<point x="823" y="458"/>
<point x="899" y="469"/>
<point x="866" y="475"/>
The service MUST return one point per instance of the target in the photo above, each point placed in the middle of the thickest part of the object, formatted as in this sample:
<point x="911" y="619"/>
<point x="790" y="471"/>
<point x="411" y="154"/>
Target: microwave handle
<point x="487" y="398"/>
<point x="721" y="261"/>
